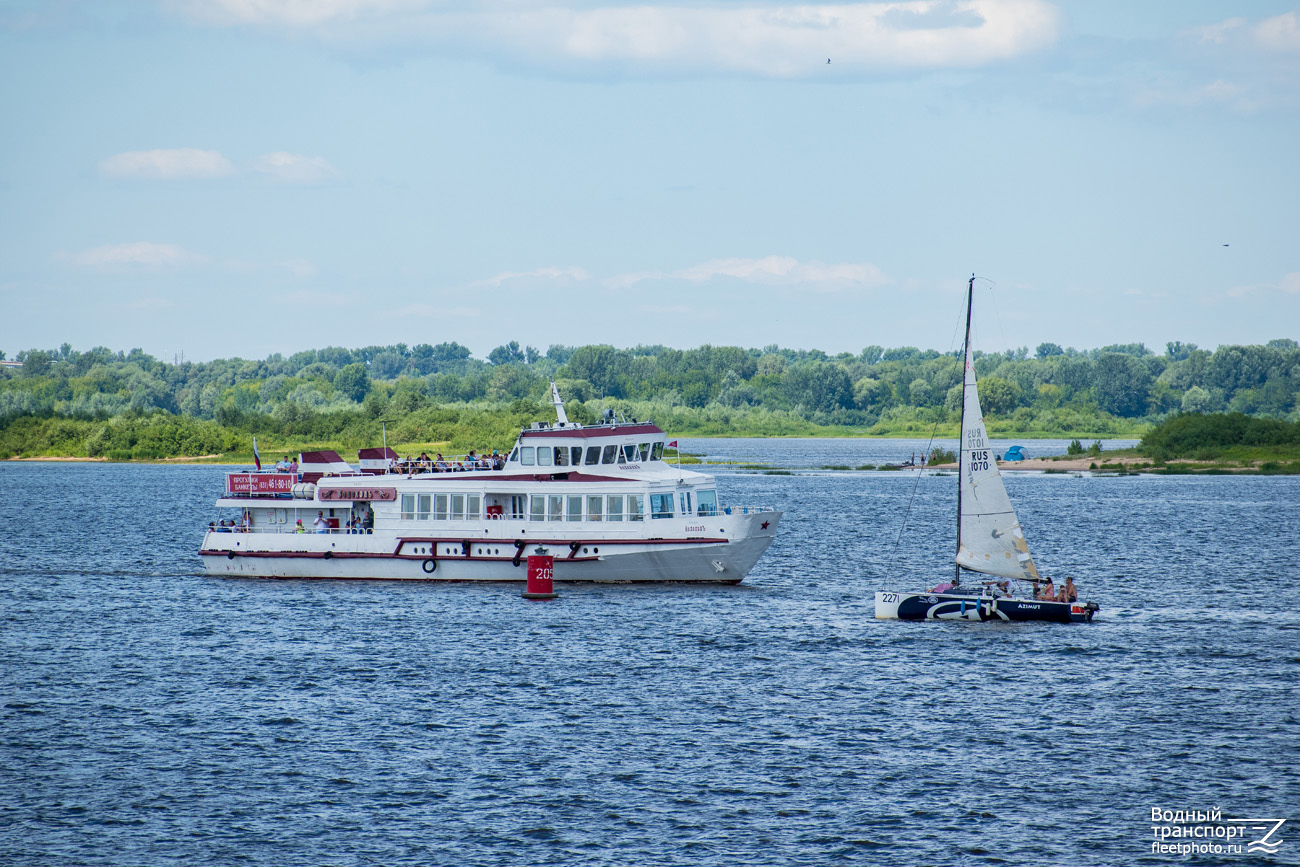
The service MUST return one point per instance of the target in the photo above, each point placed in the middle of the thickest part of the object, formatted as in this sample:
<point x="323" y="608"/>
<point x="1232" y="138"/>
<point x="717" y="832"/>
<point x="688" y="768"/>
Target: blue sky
<point x="242" y="177"/>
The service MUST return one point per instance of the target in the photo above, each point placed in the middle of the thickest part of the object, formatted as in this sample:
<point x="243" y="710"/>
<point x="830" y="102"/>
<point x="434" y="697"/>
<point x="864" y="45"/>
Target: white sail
<point x="990" y="539"/>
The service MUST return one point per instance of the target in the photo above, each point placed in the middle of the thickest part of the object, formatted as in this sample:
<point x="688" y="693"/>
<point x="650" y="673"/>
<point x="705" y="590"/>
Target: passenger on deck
<point x="212" y="526"/>
<point x="1048" y="593"/>
<point x="368" y="521"/>
<point x="498" y="460"/>
<point x="1005" y="587"/>
<point x="944" y="587"/>
<point x="439" y="464"/>
<point x="1069" y="593"/>
<point x="320" y="524"/>
<point x="300" y="528"/>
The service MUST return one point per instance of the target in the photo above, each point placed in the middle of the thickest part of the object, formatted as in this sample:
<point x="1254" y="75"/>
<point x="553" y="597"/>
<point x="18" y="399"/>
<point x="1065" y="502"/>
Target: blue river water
<point x="152" y="715"/>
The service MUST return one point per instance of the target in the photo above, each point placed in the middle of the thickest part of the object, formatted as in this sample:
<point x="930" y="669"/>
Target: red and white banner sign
<point x="331" y="495"/>
<point x="259" y="483"/>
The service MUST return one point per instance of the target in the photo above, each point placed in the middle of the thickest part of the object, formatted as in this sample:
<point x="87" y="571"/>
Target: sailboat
<point x="989" y="539"/>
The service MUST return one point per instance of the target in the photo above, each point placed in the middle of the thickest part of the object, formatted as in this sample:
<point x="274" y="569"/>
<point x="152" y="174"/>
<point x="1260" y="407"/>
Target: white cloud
<point x="1219" y="92"/>
<point x="1290" y="284"/>
<point x="295" y="168"/>
<point x="549" y="274"/>
<point x="770" y="40"/>
<point x="438" y="311"/>
<point x="143" y="253"/>
<point x="174" y="164"/>
<point x="769" y="270"/>
<point x="299" y="268"/>
<point x="294" y="14"/>
<point x="1279" y="34"/>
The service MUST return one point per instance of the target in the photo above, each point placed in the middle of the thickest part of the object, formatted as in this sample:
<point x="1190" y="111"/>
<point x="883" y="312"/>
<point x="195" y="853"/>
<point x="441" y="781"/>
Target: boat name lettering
<point x="690" y="529"/>
<point x="979" y="460"/>
<point x="629" y="466"/>
<point x="331" y="494"/>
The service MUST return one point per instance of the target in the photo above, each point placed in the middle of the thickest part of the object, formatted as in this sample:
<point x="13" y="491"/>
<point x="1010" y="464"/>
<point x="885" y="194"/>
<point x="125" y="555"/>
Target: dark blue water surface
<point x="151" y="715"/>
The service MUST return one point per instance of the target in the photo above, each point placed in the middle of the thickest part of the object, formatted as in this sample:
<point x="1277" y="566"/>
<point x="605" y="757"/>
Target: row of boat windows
<point x="574" y="456"/>
<point x="564" y="507"/>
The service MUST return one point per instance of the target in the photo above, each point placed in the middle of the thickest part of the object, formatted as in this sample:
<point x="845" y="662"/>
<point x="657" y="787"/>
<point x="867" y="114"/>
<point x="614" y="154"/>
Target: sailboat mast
<point x="961" y="431"/>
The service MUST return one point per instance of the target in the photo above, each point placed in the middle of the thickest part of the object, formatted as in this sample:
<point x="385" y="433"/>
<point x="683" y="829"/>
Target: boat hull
<point x="949" y="606"/>
<point x="405" y="558"/>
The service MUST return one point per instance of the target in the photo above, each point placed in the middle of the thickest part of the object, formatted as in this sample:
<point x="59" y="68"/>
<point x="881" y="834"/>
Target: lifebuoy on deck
<point x="429" y="566"/>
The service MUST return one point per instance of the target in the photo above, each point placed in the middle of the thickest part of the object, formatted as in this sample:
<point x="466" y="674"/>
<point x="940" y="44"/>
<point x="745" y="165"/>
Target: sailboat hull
<point x="949" y="606"/>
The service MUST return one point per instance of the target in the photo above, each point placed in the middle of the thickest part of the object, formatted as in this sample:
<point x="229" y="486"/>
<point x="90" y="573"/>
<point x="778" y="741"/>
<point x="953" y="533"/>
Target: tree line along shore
<point x="132" y="406"/>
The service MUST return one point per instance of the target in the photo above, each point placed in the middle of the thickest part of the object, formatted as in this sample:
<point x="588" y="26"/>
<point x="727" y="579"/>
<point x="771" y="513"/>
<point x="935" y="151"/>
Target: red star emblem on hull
<point x="765" y="524"/>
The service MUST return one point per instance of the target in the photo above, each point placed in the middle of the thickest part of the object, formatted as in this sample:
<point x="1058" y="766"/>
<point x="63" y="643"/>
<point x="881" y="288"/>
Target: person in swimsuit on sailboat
<point x="1069" y="593"/>
<point x="1049" y="592"/>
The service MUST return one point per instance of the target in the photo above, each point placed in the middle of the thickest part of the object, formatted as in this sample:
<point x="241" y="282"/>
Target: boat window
<point x="518" y="505"/>
<point x="538" y="510"/>
<point x="594" y="505"/>
<point x="636" y="507"/>
<point x="576" y="451"/>
<point x="543" y="457"/>
<point x="471" y="507"/>
<point x="458" y="507"/>
<point x="609" y="455"/>
<point x="593" y="456"/>
<point x="514" y="456"/>
<point x="408" y="507"/>
<point x="657" y="453"/>
<point x="708" y="502"/>
<point x="686" y="503"/>
<point x="575" y="508"/>
<point x="661" y="505"/>
<point x="525" y="455"/>
<point x="615" y="510"/>
<point x="561" y="456"/>
<point x="440" y="507"/>
<point x="423" y="513"/>
<point x="556" y="505"/>
<point x="644" y="451"/>
<point x="629" y="453"/>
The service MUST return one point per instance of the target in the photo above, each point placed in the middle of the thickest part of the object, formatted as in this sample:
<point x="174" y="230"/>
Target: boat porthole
<point x="595" y="550"/>
<point x="584" y="550"/>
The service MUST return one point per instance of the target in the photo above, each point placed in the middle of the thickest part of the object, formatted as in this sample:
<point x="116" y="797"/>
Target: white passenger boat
<point x="598" y="498"/>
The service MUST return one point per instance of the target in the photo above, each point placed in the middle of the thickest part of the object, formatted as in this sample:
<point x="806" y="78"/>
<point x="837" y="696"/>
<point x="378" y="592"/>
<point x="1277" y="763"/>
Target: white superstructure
<point x="599" y="498"/>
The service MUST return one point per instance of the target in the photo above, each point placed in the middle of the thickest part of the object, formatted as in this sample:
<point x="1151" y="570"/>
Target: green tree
<point x="510" y="353"/>
<point x="998" y="396"/>
<point x="1122" y="384"/>
<point x="353" y="381"/>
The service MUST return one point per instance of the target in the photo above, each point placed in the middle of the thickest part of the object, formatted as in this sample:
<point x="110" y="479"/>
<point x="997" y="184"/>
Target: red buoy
<point x="541" y="572"/>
